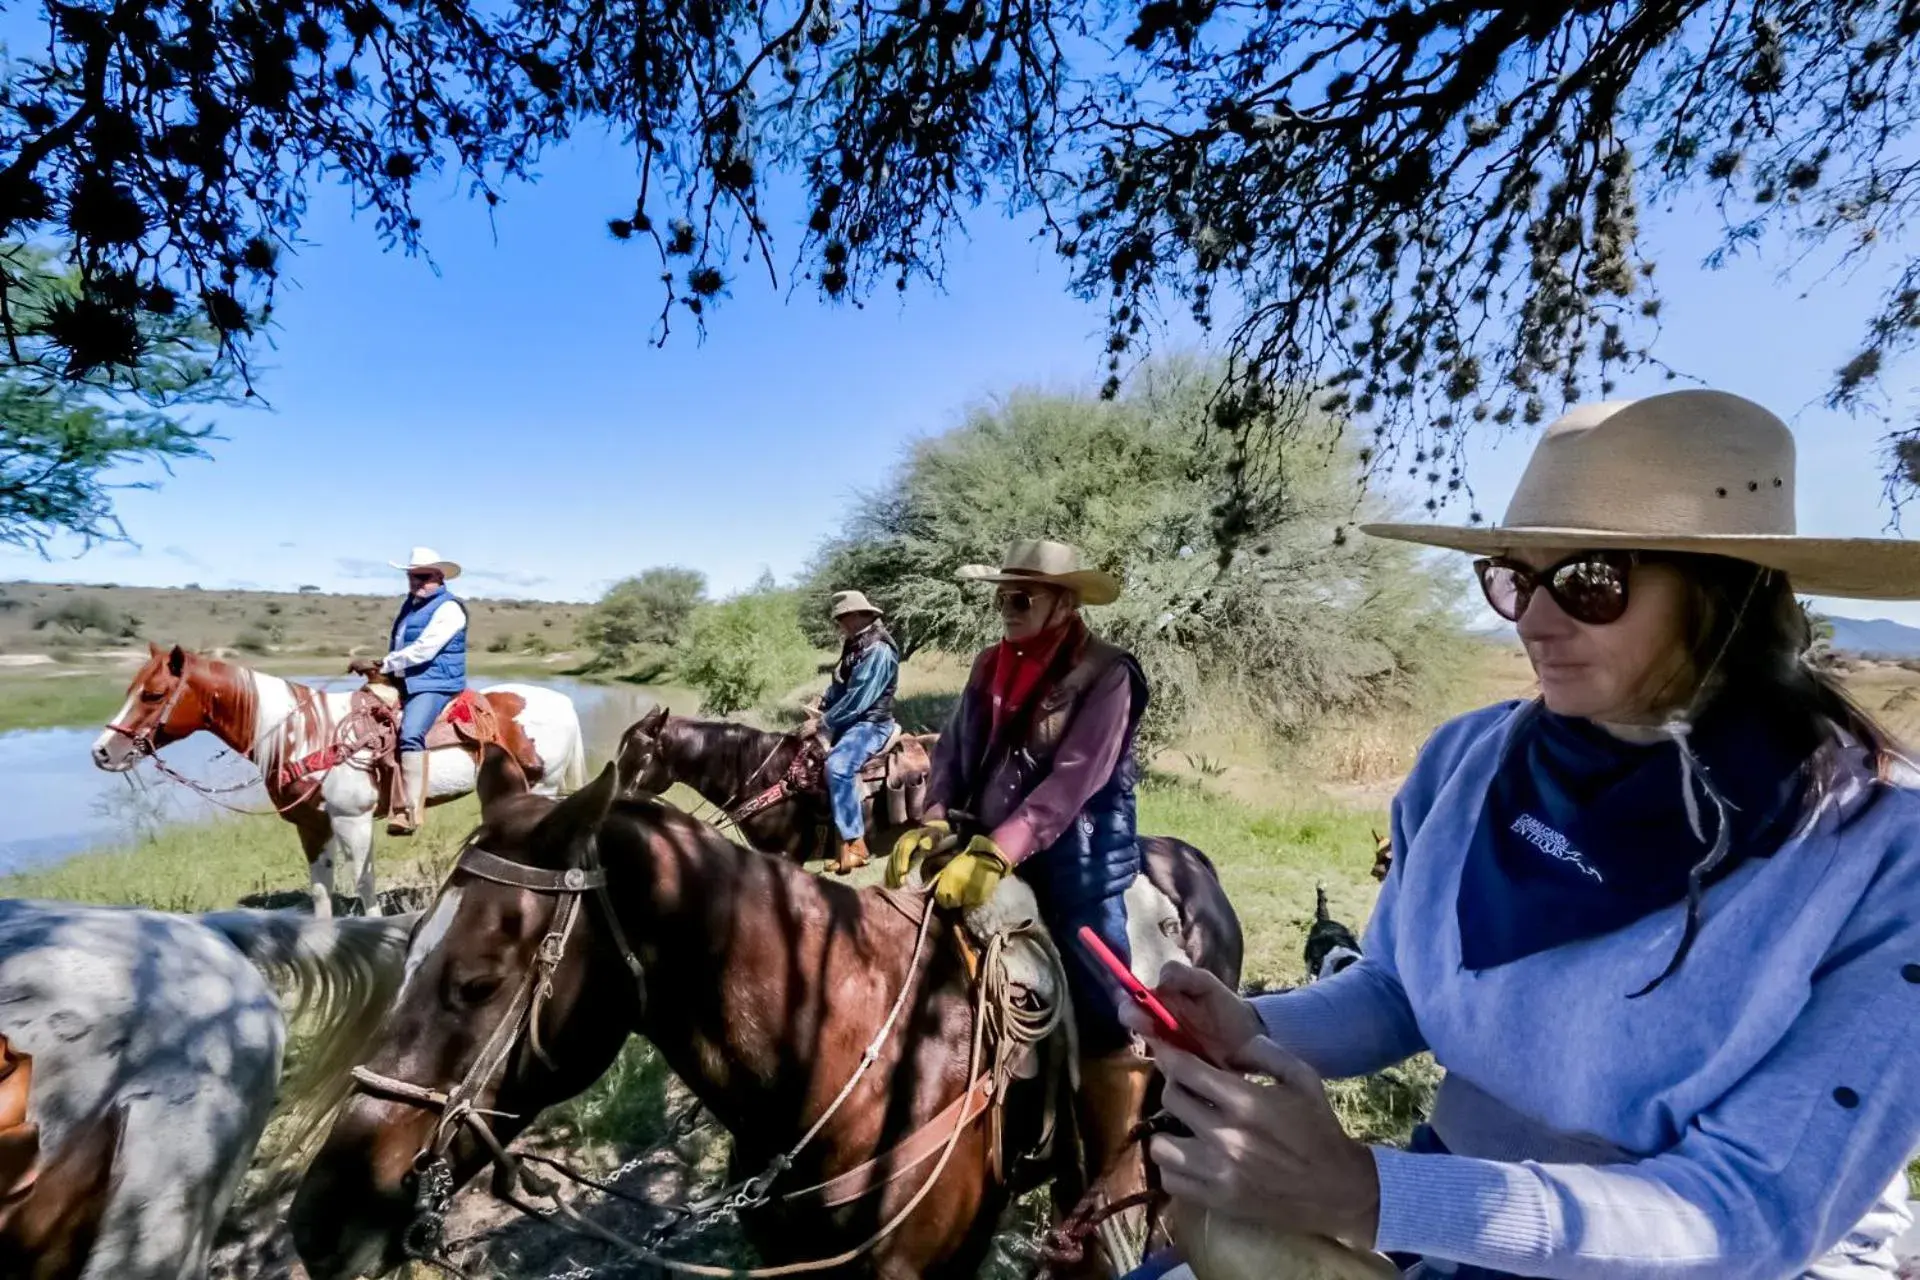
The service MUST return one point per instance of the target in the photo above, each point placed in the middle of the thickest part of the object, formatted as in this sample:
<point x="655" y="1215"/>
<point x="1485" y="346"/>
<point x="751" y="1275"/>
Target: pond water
<point x="54" y="803"/>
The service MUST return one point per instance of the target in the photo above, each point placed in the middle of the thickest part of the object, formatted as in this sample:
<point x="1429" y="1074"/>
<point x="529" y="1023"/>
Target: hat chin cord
<point x="1694" y="780"/>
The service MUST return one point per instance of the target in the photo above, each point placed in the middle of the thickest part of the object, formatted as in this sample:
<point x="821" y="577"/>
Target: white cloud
<point x="353" y="567"/>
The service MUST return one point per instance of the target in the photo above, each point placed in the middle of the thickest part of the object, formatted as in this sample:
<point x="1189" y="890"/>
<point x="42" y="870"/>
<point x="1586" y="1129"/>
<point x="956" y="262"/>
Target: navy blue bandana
<point x="1584" y="833"/>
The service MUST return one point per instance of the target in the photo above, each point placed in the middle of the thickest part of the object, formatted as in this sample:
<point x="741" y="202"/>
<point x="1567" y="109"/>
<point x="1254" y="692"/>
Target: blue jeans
<point x="856" y="746"/>
<point x="417" y="715"/>
<point x="1155" y="1265"/>
<point x="1096" y="993"/>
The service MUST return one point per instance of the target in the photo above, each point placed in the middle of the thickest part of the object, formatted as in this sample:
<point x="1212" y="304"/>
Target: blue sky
<point x="509" y="410"/>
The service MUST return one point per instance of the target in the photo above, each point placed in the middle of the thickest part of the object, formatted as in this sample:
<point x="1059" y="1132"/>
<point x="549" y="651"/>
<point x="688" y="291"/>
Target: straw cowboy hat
<point x="428" y="558"/>
<point x="1037" y="561"/>
<point x="845" y="602"/>
<point x="1690" y="471"/>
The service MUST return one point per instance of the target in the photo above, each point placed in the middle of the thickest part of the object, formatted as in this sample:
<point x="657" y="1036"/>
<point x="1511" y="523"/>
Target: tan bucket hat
<point x="1689" y="471"/>
<point x="1050" y="564"/>
<point x="845" y="602"/>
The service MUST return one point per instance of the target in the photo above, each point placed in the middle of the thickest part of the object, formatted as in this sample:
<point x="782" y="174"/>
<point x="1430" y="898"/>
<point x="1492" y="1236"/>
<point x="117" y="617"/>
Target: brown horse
<point x="728" y="763"/>
<point x="761" y="985"/>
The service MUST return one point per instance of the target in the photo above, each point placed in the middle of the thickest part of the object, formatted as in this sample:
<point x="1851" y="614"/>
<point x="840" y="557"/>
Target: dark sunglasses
<point x="1589" y="587"/>
<point x="1013" y="601"/>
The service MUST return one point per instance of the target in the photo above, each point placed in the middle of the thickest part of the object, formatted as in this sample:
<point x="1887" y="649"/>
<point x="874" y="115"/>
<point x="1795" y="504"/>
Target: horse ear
<point x="655" y="720"/>
<point x="177" y="661"/>
<point x="500" y="776"/>
<point x="153" y="650"/>
<point x="577" y="817"/>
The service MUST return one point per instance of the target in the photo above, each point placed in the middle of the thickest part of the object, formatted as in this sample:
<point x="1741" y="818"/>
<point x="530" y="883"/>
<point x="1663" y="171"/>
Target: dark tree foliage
<point x="1426" y="211"/>
<point x="69" y="438"/>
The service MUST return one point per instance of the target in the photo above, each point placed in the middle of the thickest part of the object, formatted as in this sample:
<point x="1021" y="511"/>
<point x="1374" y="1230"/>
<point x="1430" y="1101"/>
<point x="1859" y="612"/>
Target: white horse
<point x="171" y="1018"/>
<point x="290" y="732"/>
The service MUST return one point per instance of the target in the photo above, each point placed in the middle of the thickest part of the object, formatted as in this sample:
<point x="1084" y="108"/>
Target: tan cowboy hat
<point x="845" y="602"/>
<point x="1049" y="564"/>
<point x="428" y="558"/>
<point x="1689" y="471"/>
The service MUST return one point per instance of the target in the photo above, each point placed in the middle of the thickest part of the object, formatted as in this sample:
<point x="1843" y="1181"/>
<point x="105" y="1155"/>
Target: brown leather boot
<point x="853" y="856"/>
<point x="413" y="788"/>
<point x="1112" y="1103"/>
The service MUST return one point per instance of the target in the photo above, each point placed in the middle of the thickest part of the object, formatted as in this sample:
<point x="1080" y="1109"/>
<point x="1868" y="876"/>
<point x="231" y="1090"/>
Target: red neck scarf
<point x="1018" y="669"/>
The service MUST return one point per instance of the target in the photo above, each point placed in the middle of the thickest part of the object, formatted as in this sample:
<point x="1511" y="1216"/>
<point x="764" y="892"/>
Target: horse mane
<point x="342" y="976"/>
<point x="740" y="748"/>
<point x="248" y="694"/>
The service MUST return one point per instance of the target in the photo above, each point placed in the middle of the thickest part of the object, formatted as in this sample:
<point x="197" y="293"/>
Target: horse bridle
<point x="143" y="739"/>
<point x="522" y="1017"/>
<point x="435" y="1187"/>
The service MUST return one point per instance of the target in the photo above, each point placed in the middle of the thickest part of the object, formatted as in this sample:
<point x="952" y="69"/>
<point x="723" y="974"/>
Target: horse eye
<point x="147" y="695"/>
<point x="477" y="991"/>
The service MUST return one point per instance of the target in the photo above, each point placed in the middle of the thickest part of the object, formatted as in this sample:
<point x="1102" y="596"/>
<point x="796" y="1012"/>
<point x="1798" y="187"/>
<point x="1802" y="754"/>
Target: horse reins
<point x="456" y="1106"/>
<point x="145" y="747"/>
<point x="522" y="1017"/>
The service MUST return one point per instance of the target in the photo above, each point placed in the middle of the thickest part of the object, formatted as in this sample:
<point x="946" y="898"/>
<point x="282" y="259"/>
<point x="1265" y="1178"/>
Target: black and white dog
<point x="1331" y="946"/>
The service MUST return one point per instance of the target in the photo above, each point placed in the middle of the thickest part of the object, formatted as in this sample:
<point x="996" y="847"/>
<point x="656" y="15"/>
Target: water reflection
<point x="54" y="803"/>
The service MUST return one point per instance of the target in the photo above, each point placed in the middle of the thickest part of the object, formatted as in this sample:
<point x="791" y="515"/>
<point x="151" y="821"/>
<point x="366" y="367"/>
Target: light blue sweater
<point x="1764" y="1098"/>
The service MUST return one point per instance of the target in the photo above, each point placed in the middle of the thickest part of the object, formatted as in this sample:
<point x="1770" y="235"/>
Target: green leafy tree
<point x="1292" y="619"/>
<point x="81" y="614"/>
<point x="65" y="428"/>
<point x="745" y="650"/>
<point x="648" y="612"/>
<point x="1430" y="213"/>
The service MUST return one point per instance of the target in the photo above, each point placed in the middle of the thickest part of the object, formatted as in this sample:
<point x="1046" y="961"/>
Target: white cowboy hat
<point x="1048" y="564"/>
<point x="1690" y="471"/>
<point x="428" y="558"/>
<point x="845" y="602"/>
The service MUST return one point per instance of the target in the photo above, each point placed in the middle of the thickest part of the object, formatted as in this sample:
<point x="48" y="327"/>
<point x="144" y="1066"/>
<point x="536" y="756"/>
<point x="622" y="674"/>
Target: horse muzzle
<point x="115" y="753"/>
<point x="356" y="1203"/>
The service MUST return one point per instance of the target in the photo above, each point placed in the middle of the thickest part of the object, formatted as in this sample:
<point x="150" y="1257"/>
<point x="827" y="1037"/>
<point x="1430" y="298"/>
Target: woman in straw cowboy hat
<point x="1661" y="924"/>
<point x="1035" y="772"/>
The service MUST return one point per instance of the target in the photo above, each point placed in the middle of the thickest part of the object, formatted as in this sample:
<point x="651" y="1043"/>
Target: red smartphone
<point x="1170" y="1029"/>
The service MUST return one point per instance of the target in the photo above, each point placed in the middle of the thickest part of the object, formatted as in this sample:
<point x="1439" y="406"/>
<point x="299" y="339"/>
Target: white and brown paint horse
<point x="276" y="723"/>
<point x="170" y="1024"/>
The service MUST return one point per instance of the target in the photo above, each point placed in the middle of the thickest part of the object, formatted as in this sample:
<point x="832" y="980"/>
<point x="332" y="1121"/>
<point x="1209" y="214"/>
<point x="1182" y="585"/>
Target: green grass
<point x="1270" y="860"/>
<point x="209" y="866"/>
<point x="44" y="700"/>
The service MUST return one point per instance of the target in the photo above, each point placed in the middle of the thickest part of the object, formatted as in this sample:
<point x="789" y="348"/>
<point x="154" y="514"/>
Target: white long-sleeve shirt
<point x="446" y="623"/>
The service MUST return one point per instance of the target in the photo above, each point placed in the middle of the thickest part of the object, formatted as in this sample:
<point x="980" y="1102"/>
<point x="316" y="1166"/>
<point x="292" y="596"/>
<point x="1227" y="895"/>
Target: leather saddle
<point x="896" y="775"/>
<point x="51" y="1208"/>
<point x="471" y="721"/>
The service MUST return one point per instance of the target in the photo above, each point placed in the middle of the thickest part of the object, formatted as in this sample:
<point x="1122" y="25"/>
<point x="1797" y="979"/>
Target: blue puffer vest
<point x="446" y="671"/>
<point x="1098" y="855"/>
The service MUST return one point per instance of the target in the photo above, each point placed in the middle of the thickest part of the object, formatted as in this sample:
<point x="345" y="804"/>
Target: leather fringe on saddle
<point x="1022" y="990"/>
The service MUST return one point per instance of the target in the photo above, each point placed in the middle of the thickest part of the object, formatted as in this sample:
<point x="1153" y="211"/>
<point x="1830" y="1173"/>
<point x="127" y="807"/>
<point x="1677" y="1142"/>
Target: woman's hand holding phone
<point x="1206" y="1008"/>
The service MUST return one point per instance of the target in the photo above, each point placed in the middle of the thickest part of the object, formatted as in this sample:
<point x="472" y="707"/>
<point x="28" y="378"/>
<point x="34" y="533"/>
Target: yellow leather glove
<point x="913" y="846"/>
<point x="971" y="877"/>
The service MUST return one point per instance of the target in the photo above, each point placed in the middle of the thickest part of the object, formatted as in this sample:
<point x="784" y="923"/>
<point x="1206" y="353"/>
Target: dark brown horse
<point x="760" y="984"/>
<point x="729" y="763"/>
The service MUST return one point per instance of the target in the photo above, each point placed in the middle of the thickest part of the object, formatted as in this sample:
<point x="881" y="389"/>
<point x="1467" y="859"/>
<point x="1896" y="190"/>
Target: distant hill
<point x="1875" y="638"/>
<point x="67" y="620"/>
